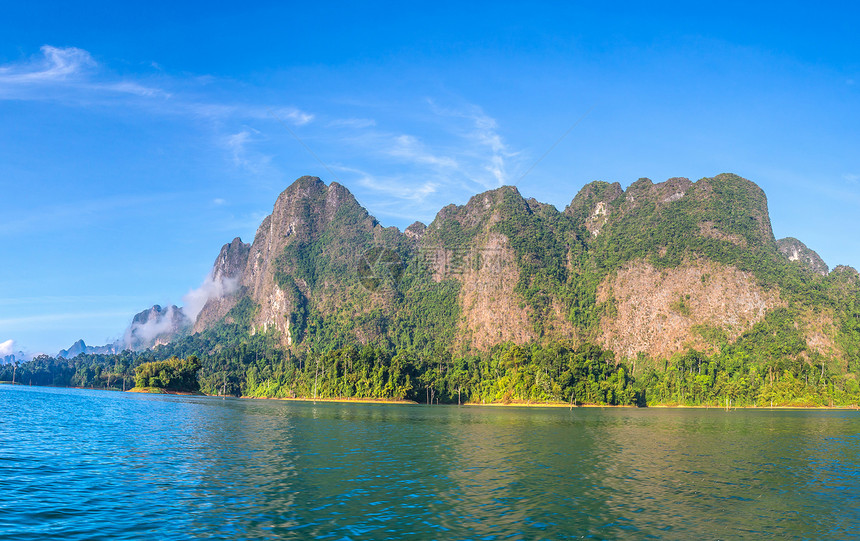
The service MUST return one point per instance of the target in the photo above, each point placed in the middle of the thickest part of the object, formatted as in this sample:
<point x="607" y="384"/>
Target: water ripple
<point x="98" y="465"/>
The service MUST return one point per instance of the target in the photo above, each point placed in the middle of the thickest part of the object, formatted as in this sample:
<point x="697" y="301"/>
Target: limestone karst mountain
<point x="646" y="272"/>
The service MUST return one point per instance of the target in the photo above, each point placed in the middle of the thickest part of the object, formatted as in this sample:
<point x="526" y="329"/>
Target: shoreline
<point x="513" y="404"/>
<point x="156" y="390"/>
<point x="544" y="405"/>
<point x="334" y="400"/>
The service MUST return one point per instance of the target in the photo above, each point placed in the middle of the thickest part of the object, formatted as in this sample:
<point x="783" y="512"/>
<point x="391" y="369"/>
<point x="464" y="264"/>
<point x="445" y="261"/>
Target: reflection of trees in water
<point x="371" y="471"/>
<point x="536" y="472"/>
<point x="727" y="474"/>
<point x="247" y="481"/>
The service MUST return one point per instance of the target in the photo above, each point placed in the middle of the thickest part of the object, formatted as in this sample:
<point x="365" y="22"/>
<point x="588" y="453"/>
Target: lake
<point x="77" y="464"/>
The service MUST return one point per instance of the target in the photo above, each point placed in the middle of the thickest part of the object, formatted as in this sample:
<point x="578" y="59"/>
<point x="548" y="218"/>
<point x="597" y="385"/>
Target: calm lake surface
<point x="78" y="464"/>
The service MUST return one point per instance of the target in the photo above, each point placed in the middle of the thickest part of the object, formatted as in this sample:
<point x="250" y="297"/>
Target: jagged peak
<point x="308" y="205"/>
<point x="416" y="230"/>
<point x="593" y="192"/>
<point x="795" y="250"/>
<point x="478" y="208"/>
<point x="231" y="260"/>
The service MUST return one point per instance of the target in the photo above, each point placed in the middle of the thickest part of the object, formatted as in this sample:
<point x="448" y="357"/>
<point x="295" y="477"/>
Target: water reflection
<point x="81" y="465"/>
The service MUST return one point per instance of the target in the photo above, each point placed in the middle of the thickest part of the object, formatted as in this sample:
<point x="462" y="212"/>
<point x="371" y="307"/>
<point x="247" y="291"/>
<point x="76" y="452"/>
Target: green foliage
<point x="173" y="374"/>
<point x="243" y="313"/>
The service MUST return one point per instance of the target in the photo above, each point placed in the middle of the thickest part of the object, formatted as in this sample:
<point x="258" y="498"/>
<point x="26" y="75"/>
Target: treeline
<point x="259" y="367"/>
<point x="509" y="373"/>
<point x="87" y="371"/>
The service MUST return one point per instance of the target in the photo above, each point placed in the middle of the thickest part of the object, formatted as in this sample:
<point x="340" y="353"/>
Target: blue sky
<point x="137" y="138"/>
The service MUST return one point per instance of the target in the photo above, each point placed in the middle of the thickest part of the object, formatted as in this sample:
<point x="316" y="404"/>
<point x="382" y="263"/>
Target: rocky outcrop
<point x="155" y="326"/>
<point x="226" y="275"/>
<point x="794" y="250"/>
<point x="590" y="208"/>
<point x="415" y="231"/>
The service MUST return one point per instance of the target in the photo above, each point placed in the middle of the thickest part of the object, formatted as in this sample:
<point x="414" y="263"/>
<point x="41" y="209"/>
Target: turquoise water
<point x="78" y="464"/>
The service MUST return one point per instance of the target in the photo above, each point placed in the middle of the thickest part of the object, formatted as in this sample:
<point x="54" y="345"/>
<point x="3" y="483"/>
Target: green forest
<point x="508" y="374"/>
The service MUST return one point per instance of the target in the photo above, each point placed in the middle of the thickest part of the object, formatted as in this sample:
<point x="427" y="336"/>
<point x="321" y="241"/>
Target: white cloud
<point x="236" y="143"/>
<point x="395" y="186"/>
<point x="7" y="348"/>
<point x="486" y="146"/>
<point x="211" y="288"/>
<point x="459" y="151"/>
<point x="851" y="178"/>
<point x="142" y="334"/>
<point x="219" y="201"/>
<point x="299" y="118"/>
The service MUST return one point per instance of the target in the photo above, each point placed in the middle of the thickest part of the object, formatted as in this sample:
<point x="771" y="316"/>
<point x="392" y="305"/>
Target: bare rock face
<point x="231" y="261"/>
<point x="655" y="310"/>
<point x="794" y="250"/>
<point x="491" y="310"/>
<point x="303" y="213"/>
<point x="226" y="274"/>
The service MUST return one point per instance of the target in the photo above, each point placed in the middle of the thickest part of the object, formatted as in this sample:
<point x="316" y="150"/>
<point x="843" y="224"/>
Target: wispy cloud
<point x="356" y="123"/>
<point x="242" y="155"/>
<point x="460" y="150"/>
<point x="7" y="348"/>
<point x="55" y="65"/>
<point x="851" y="178"/>
<point x="65" y="68"/>
<point x="71" y="75"/>
<point x="410" y="149"/>
<point x="487" y="147"/>
<point x="397" y="188"/>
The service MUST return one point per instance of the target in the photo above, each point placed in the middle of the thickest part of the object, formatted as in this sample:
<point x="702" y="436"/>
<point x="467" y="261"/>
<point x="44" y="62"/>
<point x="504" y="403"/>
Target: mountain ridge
<point x="545" y="274"/>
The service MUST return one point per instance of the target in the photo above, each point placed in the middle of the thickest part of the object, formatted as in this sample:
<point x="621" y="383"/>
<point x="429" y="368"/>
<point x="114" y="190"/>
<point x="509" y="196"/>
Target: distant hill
<point x="80" y="347"/>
